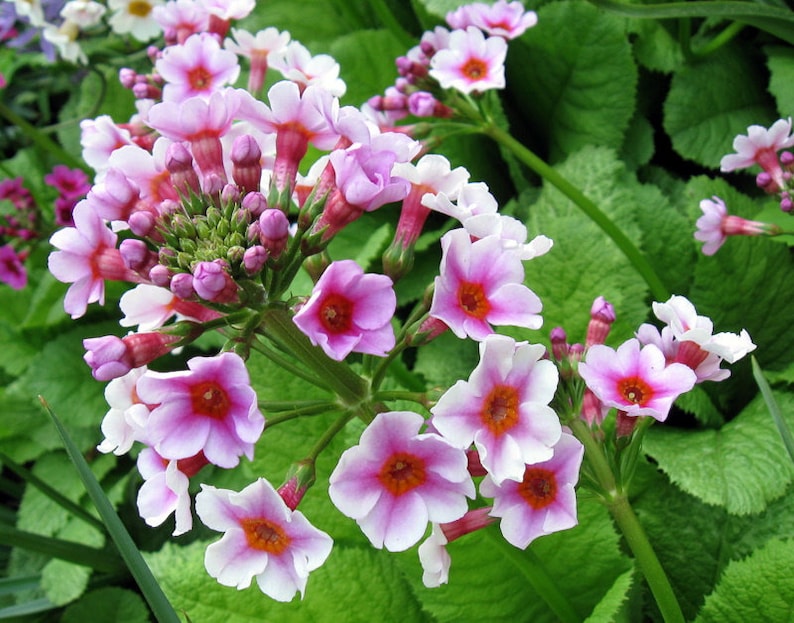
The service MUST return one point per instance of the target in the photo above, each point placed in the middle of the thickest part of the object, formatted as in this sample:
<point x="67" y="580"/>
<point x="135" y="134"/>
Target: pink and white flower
<point x="544" y="500"/>
<point x="86" y="257"/>
<point x="258" y="48"/>
<point x="125" y="422"/>
<point x="503" y="19"/>
<point x="134" y="17"/>
<point x="297" y="64"/>
<point x="471" y="63"/>
<point x="396" y="480"/>
<point x="12" y="271"/>
<point x="716" y="225"/>
<point x="99" y="138"/>
<point x="263" y="539"/>
<point x="481" y="284"/>
<point x="503" y="408"/>
<point x="761" y="146"/>
<point x="196" y="68"/>
<point x="181" y="18"/>
<point x="211" y="408"/>
<point x="349" y="311"/>
<point x="164" y="492"/>
<point x="635" y="381"/>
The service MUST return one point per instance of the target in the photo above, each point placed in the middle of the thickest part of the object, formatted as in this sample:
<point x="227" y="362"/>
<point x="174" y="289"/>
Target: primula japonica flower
<point x="503" y="19"/>
<point x="503" y="408"/>
<point x="544" y="501"/>
<point x="211" y="408"/>
<point x="706" y="366"/>
<point x="258" y="49"/>
<point x="86" y="256"/>
<point x="125" y="422"/>
<point x="263" y="539"/>
<point x="396" y="480"/>
<point x="110" y="357"/>
<point x="716" y="225"/>
<point x="197" y="67"/>
<point x="164" y="492"/>
<point x="687" y="326"/>
<point x="471" y="63"/>
<point x="635" y="381"/>
<point x="12" y="271"/>
<point x="349" y="311"/>
<point x="481" y="284"/>
<point x="761" y="146"/>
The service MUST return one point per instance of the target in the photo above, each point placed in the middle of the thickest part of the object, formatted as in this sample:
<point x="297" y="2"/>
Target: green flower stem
<point x="618" y="505"/>
<point x="290" y="366"/>
<point x="533" y="570"/>
<point x="349" y="386"/>
<point x="417" y="397"/>
<point x="635" y="536"/>
<point x="285" y="416"/>
<point x="329" y="434"/>
<point x="774" y="408"/>
<point x="40" y="139"/>
<point x="640" y="262"/>
<point x="274" y="406"/>
<point x="730" y="31"/>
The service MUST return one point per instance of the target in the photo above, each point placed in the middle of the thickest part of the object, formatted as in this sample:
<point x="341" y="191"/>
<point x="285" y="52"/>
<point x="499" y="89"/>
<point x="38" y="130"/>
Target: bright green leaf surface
<point x="608" y="608"/>
<point x="712" y="101"/>
<point x="742" y="466"/>
<point x="574" y="77"/>
<point x="780" y="61"/>
<point x="758" y="588"/>
<point x="107" y="605"/>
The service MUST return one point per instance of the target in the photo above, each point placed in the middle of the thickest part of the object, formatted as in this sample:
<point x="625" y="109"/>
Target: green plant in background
<point x="340" y="313"/>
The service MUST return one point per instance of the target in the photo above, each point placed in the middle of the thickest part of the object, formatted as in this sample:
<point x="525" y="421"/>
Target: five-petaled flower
<point x="263" y="539"/>
<point x="396" y="480"/>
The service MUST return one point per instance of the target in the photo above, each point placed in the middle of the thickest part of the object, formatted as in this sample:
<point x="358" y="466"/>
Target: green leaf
<point x="584" y="263"/>
<point x="712" y="101"/>
<point x="63" y="581"/>
<point x="446" y="360"/>
<point x="107" y="605"/>
<point x="741" y="467"/>
<point x="754" y="589"/>
<point x="574" y="78"/>
<point x="355" y="584"/>
<point x="655" y="47"/>
<point x="367" y="64"/>
<point x="124" y="543"/>
<point x="780" y="62"/>
<point x="610" y="605"/>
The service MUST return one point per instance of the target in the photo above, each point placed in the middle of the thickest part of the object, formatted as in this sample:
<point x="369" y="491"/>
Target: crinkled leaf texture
<point x="758" y="588"/>
<point x="741" y="467"/>
<point x="108" y="605"/>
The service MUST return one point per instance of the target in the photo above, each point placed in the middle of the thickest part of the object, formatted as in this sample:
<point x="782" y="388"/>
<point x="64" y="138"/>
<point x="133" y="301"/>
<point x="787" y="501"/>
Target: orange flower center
<point x="264" y="535"/>
<point x="336" y="313"/>
<point x="474" y="69"/>
<point x="635" y="390"/>
<point x="500" y="409"/>
<point x="473" y="301"/>
<point x="539" y="487"/>
<point x="209" y="399"/>
<point x="139" y="8"/>
<point x="402" y="472"/>
<point x="199" y="78"/>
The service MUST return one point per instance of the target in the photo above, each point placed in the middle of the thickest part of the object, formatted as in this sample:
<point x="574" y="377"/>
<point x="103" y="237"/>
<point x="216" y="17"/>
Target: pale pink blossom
<point x="481" y="284"/>
<point x="145" y="172"/>
<point x="705" y="365"/>
<point x="258" y="48"/>
<point x="543" y="501"/>
<point x="181" y="18"/>
<point x="761" y="146"/>
<point x="211" y="408"/>
<point x="164" y="492"/>
<point x="110" y="357"/>
<point x="263" y="539"/>
<point x="503" y="408"/>
<point x="396" y="480"/>
<point x="471" y="63"/>
<point x="349" y="311"/>
<point x="125" y="421"/>
<point x="716" y="225"/>
<point x="83" y="13"/>
<point x="149" y="307"/>
<point x="297" y="64"/>
<point x="99" y="138"/>
<point x="86" y="257"/>
<point x="196" y="68"/>
<point x="503" y="19"/>
<point x="636" y="381"/>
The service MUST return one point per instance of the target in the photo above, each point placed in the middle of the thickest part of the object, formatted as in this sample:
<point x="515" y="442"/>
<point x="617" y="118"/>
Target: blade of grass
<point x="50" y="492"/>
<point x="36" y="606"/>
<point x="774" y="408"/>
<point x="58" y="548"/>
<point x="151" y="590"/>
<point x="9" y="586"/>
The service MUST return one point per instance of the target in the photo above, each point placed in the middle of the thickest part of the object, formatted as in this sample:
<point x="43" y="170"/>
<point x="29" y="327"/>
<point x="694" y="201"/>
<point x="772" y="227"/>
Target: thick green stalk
<point x="623" y="242"/>
<point x="651" y="568"/>
<point x="618" y="505"/>
<point x="337" y="375"/>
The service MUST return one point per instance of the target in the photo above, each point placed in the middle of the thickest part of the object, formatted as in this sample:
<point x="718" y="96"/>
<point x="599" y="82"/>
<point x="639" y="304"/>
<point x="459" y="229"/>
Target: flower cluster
<point x="762" y="147"/>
